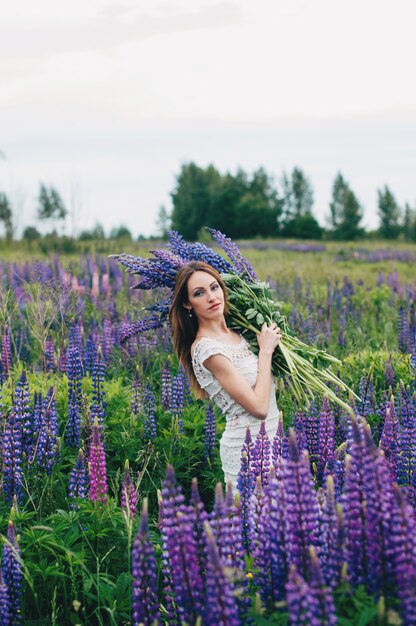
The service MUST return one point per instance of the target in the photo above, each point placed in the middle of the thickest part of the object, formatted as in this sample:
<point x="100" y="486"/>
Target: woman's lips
<point x="215" y="306"/>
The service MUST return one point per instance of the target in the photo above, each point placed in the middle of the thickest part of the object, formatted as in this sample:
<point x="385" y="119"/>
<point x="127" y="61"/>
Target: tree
<point x="31" y="234"/>
<point x="191" y="198"/>
<point x="51" y="205"/>
<point x="297" y="193"/>
<point x="303" y="227"/>
<point x="162" y="222"/>
<point x="389" y="214"/>
<point x="345" y="212"/>
<point x="6" y="216"/>
<point x="409" y="223"/>
<point x="91" y="235"/>
<point x="120" y="232"/>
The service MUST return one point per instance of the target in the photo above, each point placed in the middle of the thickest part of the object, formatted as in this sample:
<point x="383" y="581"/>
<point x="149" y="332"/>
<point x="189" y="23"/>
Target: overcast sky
<point x="106" y="100"/>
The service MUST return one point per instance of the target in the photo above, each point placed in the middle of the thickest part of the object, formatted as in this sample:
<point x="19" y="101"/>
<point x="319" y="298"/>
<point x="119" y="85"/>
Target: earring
<point x="190" y="312"/>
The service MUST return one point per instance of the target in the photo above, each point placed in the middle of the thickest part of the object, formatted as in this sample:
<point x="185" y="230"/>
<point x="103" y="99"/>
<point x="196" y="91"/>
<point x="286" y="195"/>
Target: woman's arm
<point x="255" y="400"/>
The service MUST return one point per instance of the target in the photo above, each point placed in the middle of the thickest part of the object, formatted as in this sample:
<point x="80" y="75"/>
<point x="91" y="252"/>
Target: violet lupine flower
<point x="6" y="354"/>
<point x="301" y="603"/>
<point x="221" y="606"/>
<point x="322" y="594"/>
<point x="312" y="429"/>
<point x="241" y="266"/>
<point x="73" y="427"/>
<point x="390" y="437"/>
<point x="78" y="480"/>
<point x="406" y="464"/>
<point x="210" y="433"/>
<point x="75" y="337"/>
<point x="182" y="551"/>
<point x="12" y="574"/>
<point x="271" y="550"/>
<point x="148" y="323"/>
<point x="302" y="510"/>
<point x="47" y="441"/>
<point x="201" y="252"/>
<point x="144" y="573"/>
<point x="362" y="510"/>
<point x="107" y="339"/>
<point x="136" y="398"/>
<point x="260" y="461"/>
<point x="245" y="486"/>
<point x="37" y="413"/>
<point x="199" y="517"/>
<point x="50" y="365"/>
<point x="98" y="394"/>
<point x="91" y="353"/>
<point x="98" y="471"/>
<point x="331" y="528"/>
<point x="128" y="492"/>
<point x="326" y="438"/>
<point x="403" y="556"/>
<point x="178" y="399"/>
<point x="23" y="412"/>
<point x="166" y="383"/>
<point x="277" y="449"/>
<point x="13" y="457"/>
<point x="149" y="406"/>
<point x="402" y="330"/>
<point x="300" y="430"/>
<point x="367" y="404"/>
<point x="166" y="573"/>
<point x="5" y="613"/>
<point x="389" y="373"/>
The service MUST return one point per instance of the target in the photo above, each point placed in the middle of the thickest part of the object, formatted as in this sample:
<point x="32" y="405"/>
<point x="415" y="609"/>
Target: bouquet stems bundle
<point x="306" y="369"/>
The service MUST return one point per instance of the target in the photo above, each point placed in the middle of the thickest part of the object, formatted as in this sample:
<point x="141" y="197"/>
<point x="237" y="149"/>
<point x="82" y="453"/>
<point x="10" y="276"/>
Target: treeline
<point x="251" y="205"/>
<point x="243" y="206"/>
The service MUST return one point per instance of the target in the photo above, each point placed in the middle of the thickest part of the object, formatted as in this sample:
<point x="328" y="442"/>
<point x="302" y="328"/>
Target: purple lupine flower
<point x="201" y="252"/>
<point x="107" y="339"/>
<point x="221" y="606"/>
<point x="50" y="365"/>
<point x="149" y="405"/>
<point x="402" y="330"/>
<point x="390" y="436"/>
<point x="128" y="492"/>
<point x="91" y="353"/>
<point x="73" y="427"/>
<point x="98" y="472"/>
<point x="198" y="518"/>
<point x="406" y="463"/>
<point x="331" y="528"/>
<point x="311" y="422"/>
<point x="5" y="613"/>
<point x="301" y="603"/>
<point x="75" y="337"/>
<point x="182" y="551"/>
<point x="23" y="412"/>
<point x="277" y="449"/>
<point x="403" y="555"/>
<point x="260" y="462"/>
<point x="166" y="573"/>
<point x="245" y="486"/>
<point x="322" y="594"/>
<point x="241" y="265"/>
<point x="13" y="457"/>
<point x="144" y="573"/>
<point x="78" y="480"/>
<point x="37" y="413"/>
<point x="326" y="438"/>
<point x="210" y="433"/>
<point x="178" y="398"/>
<point x="98" y="407"/>
<point x="166" y="381"/>
<point x="302" y="508"/>
<point x="367" y="404"/>
<point x="6" y="354"/>
<point x="136" y="398"/>
<point x="47" y="441"/>
<point x="12" y="574"/>
<point x="148" y="323"/>
<point x="389" y="373"/>
<point x="271" y="550"/>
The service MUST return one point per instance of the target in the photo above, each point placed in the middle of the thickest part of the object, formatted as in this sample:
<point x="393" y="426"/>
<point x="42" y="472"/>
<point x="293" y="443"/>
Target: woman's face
<point x="205" y="296"/>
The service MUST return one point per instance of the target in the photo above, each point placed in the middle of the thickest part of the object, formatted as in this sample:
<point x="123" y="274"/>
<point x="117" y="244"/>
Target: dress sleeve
<point x="202" y="351"/>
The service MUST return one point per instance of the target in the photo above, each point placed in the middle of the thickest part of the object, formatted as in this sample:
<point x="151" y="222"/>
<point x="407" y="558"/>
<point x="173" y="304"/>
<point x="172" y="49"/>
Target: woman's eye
<point x="215" y="286"/>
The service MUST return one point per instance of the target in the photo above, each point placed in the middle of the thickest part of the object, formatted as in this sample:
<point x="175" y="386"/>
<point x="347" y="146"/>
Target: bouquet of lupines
<point x="306" y="369"/>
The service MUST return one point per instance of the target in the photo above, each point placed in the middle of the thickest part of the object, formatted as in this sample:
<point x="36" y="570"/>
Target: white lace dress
<point x="237" y="418"/>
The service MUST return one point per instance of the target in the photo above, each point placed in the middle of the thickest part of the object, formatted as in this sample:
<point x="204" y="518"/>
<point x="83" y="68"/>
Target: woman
<point x="219" y="361"/>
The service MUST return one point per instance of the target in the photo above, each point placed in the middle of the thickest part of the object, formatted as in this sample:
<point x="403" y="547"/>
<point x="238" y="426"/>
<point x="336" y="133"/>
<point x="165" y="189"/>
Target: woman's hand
<point x="268" y="338"/>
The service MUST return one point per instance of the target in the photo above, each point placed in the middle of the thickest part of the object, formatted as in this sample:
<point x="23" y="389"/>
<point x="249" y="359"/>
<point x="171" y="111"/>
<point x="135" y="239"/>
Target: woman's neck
<point x="214" y="329"/>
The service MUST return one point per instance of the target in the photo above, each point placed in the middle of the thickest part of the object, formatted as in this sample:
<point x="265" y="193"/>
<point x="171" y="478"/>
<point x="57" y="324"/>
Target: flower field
<point x="111" y="506"/>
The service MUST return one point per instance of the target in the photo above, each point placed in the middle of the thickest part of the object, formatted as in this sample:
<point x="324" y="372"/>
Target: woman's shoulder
<point x="204" y="343"/>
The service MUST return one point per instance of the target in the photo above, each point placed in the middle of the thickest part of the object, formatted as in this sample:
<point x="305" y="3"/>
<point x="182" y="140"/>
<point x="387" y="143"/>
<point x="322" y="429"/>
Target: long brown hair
<point x="185" y="327"/>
